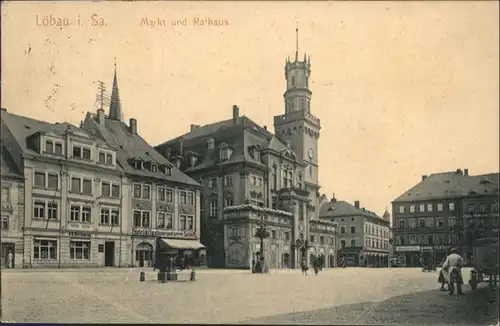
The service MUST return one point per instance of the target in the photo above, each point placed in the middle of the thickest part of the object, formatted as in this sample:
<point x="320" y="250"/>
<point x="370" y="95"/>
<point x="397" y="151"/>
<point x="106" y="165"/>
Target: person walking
<point x="10" y="259"/>
<point x="453" y="268"/>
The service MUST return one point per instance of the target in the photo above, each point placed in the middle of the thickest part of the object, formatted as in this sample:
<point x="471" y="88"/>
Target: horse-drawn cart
<point x="485" y="262"/>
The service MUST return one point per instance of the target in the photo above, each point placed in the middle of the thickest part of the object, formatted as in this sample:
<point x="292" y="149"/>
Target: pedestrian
<point x="453" y="268"/>
<point x="303" y="266"/>
<point x="10" y="259"/>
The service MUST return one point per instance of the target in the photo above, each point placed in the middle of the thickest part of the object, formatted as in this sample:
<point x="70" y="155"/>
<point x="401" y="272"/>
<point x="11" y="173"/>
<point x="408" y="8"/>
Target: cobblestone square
<point x="347" y="296"/>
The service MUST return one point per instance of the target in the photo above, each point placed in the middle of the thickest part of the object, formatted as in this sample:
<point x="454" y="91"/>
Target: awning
<point x="183" y="244"/>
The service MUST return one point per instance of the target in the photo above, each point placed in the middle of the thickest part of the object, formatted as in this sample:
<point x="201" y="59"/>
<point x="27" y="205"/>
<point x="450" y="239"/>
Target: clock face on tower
<point x="311" y="153"/>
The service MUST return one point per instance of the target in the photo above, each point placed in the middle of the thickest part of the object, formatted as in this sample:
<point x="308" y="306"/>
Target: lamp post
<point x="261" y="233"/>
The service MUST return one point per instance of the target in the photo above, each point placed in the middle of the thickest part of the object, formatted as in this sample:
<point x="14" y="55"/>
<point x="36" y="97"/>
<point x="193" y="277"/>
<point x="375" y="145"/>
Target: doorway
<point x="144" y="254"/>
<point x="109" y="253"/>
<point x="7" y="248"/>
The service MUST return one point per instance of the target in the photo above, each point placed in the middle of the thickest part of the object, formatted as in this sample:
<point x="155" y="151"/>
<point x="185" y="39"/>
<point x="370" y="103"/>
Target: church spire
<point x="297" y="44"/>
<point x="115" y="107"/>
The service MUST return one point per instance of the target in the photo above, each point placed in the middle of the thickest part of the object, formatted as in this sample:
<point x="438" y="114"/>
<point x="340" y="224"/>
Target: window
<point x="52" y="211"/>
<point x="413" y="239"/>
<point x="169" y="195"/>
<point x="301" y="211"/>
<point x="421" y="223"/>
<point x="286" y="236"/>
<point x="154" y="168"/>
<point x="451" y="207"/>
<point x="164" y="221"/>
<point x="228" y="201"/>
<point x="429" y="207"/>
<point x="274" y="178"/>
<point x="214" y="209"/>
<point x="142" y="191"/>
<point x="110" y="190"/>
<point x="293" y="81"/>
<point x="311" y="238"/>
<point x="80" y="185"/>
<point x="322" y="240"/>
<point x="440" y="222"/>
<point x="161" y="196"/>
<point x="115" y="217"/>
<point x="81" y="152"/>
<point x="52" y="181"/>
<point x="4" y="222"/>
<point x="75" y="213"/>
<point x="182" y="222"/>
<point x="301" y="104"/>
<point x="353" y="229"/>
<point x="287" y="178"/>
<point x="422" y="239"/>
<point x="5" y="195"/>
<point x="79" y="250"/>
<point x="45" y="249"/>
<point x="86" y="214"/>
<point x="401" y="224"/>
<point x="429" y="222"/>
<point x="421" y="208"/>
<point x="482" y="208"/>
<point x="401" y="209"/>
<point x="52" y="147"/>
<point x="141" y="218"/>
<point x="353" y="243"/>
<point x="190" y="220"/>
<point x="342" y="230"/>
<point x="412" y="208"/>
<point x="273" y="234"/>
<point x="39" y="179"/>
<point x="210" y="143"/>
<point x="440" y="207"/>
<point x="187" y="197"/>
<point x="228" y="180"/>
<point x="451" y="221"/>
<point x="342" y="243"/>
<point x="299" y="181"/>
<point x="39" y="209"/>
<point x="105" y="215"/>
<point x="212" y="182"/>
<point x="430" y="239"/>
<point x="105" y="158"/>
<point x="49" y="146"/>
<point x="224" y="154"/>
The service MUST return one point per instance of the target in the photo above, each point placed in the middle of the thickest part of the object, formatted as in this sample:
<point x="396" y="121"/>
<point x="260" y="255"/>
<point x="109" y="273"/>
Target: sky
<point x="402" y="89"/>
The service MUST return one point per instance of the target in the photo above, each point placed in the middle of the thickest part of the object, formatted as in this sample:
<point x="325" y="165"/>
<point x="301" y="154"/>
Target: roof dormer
<point x="192" y="158"/>
<point x="225" y="152"/>
<point x="254" y="151"/>
<point x="165" y="168"/>
<point x="137" y="163"/>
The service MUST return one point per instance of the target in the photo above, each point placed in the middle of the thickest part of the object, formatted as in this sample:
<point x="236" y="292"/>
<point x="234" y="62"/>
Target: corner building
<point x="444" y="210"/>
<point x="252" y="176"/>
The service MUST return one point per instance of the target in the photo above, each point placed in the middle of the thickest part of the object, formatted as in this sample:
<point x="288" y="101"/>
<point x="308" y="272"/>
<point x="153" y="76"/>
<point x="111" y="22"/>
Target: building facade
<point x="161" y="201"/>
<point x="429" y="218"/>
<point x="252" y="177"/>
<point x="12" y="210"/>
<point x="73" y="214"/>
<point x="363" y="236"/>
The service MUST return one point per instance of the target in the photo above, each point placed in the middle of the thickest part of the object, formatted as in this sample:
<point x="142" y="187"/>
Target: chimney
<point x="459" y="171"/>
<point x="334" y="200"/>
<point x="466" y="172"/>
<point x="236" y="113"/>
<point x="100" y="117"/>
<point x="194" y="127"/>
<point x="265" y="127"/>
<point x="424" y="177"/>
<point x="133" y="126"/>
<point x="356" y="204"/>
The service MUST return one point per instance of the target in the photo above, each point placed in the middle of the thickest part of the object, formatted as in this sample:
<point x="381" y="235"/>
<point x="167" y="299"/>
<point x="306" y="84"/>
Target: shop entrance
<point x="109" y="253"/>
<point x="144" y="254"/>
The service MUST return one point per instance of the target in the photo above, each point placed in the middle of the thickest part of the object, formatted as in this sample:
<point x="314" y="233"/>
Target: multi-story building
<point x="160" y="199"/>
<point x="429" y="217"/>
<point x="251" y="176"/>
<point x="363" y="235"/>
<point x="73" y="190"/>
<point x="12" y="209"/>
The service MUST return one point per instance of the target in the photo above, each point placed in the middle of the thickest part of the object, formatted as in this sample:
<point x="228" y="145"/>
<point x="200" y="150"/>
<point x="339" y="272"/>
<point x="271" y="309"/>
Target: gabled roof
<point x="451" y="185"/>
<point x="133" y="146"/>
<point x="233" y="132"/>
<point x="340" y="208"/>
<point x="8" y="167"/>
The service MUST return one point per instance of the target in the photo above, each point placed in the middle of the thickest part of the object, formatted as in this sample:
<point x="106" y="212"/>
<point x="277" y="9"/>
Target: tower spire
<point x="115" y="107"/>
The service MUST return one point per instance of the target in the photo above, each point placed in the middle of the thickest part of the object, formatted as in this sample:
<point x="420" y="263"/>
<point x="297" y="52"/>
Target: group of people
<point x="451" y="273"/>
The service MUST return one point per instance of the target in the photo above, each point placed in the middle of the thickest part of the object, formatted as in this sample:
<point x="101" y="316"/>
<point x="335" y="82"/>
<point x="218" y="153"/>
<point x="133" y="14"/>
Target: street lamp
<point x="261" y="233"/>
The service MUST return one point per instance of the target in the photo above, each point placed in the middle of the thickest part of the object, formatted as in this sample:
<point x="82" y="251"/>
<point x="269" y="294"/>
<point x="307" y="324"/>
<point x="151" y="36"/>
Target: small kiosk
<point x="174" y="252"/>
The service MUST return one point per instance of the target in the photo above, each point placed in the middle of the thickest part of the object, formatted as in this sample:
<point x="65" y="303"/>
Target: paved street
<point x="336" y="296"/>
